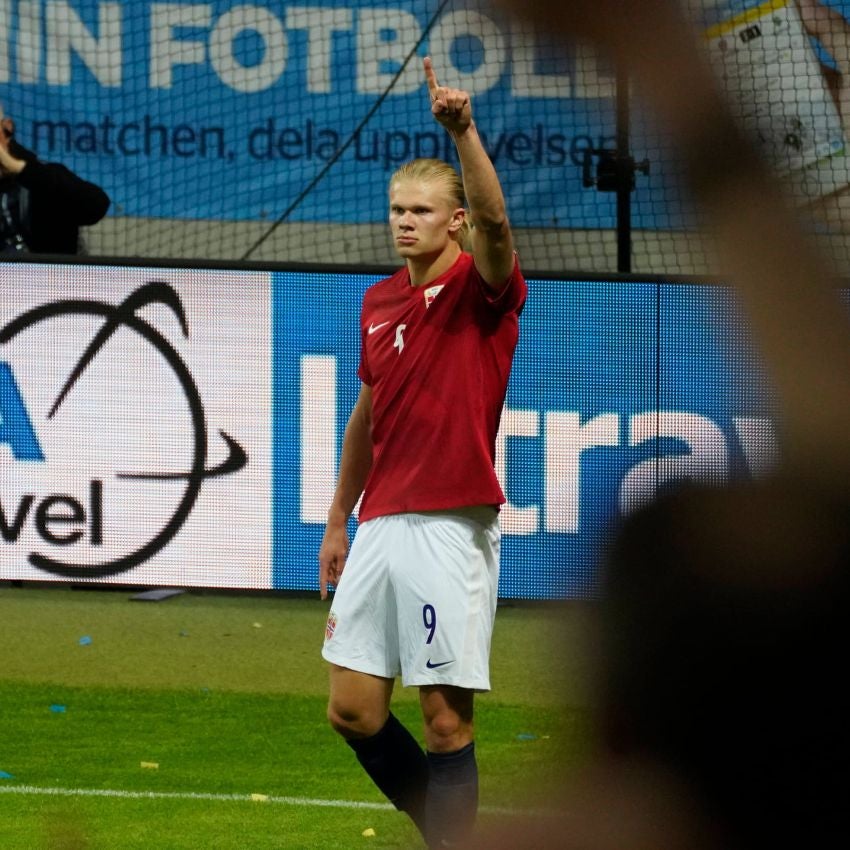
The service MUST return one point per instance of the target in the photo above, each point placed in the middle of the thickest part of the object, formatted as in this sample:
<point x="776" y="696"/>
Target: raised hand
<point x="451" y="107"/>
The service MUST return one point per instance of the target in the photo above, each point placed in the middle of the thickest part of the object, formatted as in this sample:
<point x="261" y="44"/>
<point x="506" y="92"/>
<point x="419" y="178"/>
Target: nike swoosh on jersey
<point x="432" y="666"/>
<point x="373" y="328"/>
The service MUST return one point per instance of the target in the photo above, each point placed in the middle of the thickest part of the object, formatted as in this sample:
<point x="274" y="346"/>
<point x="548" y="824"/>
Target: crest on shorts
<point x="431" y="293"/>
<point x="330" y="626"/>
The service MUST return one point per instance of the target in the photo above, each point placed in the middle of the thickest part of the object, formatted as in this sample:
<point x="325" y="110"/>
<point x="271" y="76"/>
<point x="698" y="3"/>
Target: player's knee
<point x="353" y="722"/>
<point x="342" y="722"/>
<point x="446" y="731"/>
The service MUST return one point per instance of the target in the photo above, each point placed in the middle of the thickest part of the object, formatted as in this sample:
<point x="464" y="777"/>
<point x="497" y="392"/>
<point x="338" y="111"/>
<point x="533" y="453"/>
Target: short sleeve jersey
<point x="437" y="358"/>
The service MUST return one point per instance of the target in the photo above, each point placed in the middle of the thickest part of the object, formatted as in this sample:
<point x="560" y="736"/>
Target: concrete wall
<point x="552" y="251"/>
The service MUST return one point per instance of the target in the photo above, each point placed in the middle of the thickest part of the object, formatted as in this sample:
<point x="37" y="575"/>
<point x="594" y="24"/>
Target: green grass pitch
<point x="198" y="722"/>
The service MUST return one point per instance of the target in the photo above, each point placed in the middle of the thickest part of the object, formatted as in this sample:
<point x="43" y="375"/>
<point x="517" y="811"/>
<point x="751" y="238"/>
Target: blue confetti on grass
<point x="526" y="736"/>
<point x="4" y="775"/>
<point x="85" y="640"/>
<point x="56" y="708"/>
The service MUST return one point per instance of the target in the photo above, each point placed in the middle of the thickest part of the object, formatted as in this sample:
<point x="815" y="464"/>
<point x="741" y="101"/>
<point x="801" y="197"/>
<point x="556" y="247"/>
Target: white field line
<point x="34" y="790"/>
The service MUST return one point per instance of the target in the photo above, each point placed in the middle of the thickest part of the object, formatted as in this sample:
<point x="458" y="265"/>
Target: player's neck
<point x="423" y="270"/>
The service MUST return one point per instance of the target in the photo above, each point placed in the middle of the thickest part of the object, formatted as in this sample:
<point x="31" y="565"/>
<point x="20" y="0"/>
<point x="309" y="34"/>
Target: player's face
<point x="422" y="217"/>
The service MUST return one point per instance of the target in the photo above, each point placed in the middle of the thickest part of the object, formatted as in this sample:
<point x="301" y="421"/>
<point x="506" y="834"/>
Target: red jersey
<point x="437" y="358"/>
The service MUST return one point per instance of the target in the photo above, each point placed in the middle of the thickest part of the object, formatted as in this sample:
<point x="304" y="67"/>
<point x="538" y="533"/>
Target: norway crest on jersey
<point x="431" y="293"/>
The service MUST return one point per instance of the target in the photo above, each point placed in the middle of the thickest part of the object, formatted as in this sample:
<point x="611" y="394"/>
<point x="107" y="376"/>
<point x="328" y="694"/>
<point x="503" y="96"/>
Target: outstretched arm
<point x="492" y="242"/>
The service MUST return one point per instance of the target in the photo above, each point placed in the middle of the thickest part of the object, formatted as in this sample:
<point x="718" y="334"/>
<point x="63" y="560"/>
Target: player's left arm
<point x="492" y="242"/>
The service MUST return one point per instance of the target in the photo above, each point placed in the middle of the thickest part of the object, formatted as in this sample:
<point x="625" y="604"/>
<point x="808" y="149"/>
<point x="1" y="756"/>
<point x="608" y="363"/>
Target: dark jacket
<point x="55" y="203"/>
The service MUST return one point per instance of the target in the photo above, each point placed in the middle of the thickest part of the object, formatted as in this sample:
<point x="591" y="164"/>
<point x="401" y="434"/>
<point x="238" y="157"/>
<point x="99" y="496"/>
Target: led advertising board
<point x="182" y="427"/>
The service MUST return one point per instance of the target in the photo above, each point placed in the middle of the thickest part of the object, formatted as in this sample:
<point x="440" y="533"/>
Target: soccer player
<point x="417" y="596"/>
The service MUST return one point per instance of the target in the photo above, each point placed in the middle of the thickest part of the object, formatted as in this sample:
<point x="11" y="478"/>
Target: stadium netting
<point x="267" y="130"/>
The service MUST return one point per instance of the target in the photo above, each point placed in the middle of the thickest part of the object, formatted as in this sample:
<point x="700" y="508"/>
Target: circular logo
<point x="109" y="319"/>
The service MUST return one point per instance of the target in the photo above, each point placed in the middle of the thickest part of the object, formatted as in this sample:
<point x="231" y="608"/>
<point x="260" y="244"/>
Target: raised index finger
<point x="430" y="76"/>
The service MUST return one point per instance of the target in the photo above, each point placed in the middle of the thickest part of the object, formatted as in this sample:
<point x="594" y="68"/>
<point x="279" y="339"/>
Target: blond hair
<point x="429" y="170"/>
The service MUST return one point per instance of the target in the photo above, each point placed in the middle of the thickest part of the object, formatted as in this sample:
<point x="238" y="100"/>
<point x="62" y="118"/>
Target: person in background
<point x="42" y="204"/>
<point x="416" y="595"/>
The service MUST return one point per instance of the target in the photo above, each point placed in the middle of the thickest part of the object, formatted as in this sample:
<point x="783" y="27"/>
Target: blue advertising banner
<point x="618" y="390"/>
<point x="230" y="110"/>
<point x="226" y="110"/>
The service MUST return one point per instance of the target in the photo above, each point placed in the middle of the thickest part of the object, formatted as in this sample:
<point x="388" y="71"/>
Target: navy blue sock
<point x="452" y="802"/>
<point x="398" y="766"/>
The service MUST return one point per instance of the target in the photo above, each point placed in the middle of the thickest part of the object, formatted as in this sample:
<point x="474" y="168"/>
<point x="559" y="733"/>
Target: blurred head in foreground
<point x="724" y="638"/>
<point x="721" y="705"/>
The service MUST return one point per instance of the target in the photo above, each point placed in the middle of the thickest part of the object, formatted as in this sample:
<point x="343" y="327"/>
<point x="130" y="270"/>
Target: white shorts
<point x="417" y="598"/>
